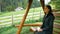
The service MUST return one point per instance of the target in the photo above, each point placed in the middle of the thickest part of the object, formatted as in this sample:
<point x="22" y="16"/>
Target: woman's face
<point x="46" y="10"/>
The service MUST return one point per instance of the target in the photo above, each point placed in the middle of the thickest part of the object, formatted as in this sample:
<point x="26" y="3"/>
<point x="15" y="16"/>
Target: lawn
<point x="13" y="30"/>
<point x="20" y="12"/>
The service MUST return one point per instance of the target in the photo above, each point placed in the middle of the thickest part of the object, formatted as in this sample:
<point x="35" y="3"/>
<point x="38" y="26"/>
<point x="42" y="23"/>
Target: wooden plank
<point x="56" y="10"/>
<point x="57" y="17"/>
<point x="30" y="25"/>
<point x="56" y="31"/>
<point x="39" y="24"/>
<point x="34" y="24"/>
<point x="56" y="14"/>
<point x="57" y="26"/>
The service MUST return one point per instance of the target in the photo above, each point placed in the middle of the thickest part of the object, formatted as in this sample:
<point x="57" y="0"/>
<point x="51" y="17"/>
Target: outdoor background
<point x="12" y="12"/>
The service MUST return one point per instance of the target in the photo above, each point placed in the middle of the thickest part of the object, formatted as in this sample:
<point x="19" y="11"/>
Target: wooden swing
<point x="25" y="15"/>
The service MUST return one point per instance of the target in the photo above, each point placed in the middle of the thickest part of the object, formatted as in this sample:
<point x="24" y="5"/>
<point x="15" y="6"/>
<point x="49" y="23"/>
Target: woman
<point x="47" y="27"/>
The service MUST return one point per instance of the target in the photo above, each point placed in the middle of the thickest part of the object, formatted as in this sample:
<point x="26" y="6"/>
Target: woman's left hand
<point x="39" y="29"/>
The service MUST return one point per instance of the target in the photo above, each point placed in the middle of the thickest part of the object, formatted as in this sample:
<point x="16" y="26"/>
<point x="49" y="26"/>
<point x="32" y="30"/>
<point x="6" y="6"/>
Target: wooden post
<point x="13" y="20"/>
<point x="24" y="17"/>
<point x="59" y="33"/>
<point x="42" y="3"/>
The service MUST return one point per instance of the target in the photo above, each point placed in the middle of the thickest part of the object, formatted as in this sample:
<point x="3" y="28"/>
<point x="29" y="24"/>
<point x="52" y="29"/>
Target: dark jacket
<point x="47" y="24"/>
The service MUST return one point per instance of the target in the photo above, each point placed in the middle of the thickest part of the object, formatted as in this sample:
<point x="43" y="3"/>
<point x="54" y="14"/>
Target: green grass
<point x="20" y="12"/>
<point x="13" y="30"/>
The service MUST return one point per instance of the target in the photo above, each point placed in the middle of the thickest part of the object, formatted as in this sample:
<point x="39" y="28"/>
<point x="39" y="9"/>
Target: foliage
<point x="56" y="3"/>
<point x="10" y="5"/>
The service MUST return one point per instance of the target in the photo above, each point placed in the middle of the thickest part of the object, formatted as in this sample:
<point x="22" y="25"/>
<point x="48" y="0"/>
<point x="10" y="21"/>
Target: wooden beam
<point x="57" y="26"/>
<point x="56" y="14"/>
<point x="32" y="24"/>
<point x="56" y="31"/>
<point x="42" y="3"/>
<point x="39" y="24"/>
<point x="56" y="18"/>
<point x="24" y="17"/>
<point x="56" y="10"/>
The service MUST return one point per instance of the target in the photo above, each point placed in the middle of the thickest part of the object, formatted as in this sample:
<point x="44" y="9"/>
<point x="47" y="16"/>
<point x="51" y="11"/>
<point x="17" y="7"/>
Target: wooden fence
<point x="8" y="20"/>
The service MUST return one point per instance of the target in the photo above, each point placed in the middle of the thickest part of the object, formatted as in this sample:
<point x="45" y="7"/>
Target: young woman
<point x="47" y="27"/>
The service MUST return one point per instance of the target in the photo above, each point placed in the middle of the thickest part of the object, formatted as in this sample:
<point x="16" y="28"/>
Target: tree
<point x="10" y="5"/>
<point x="56" y="3"/>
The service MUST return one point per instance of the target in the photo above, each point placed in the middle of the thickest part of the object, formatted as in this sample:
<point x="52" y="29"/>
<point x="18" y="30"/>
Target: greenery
<point x="32" y="10"/>
<point x="13" y="30"/>
<point x="11" y="5"/>
<point x="56" y="3"/>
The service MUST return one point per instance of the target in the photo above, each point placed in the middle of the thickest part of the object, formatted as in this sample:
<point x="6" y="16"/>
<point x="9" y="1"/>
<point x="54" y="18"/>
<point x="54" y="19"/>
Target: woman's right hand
<point x="39" y="29"/>
<point x="34" y="29"/>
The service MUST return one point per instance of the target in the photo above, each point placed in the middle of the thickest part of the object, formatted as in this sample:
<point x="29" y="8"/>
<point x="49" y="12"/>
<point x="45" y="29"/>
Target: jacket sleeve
<point x="49" y="23"/>
<point x="41" y="27"/>
<point x="43" y="23"/>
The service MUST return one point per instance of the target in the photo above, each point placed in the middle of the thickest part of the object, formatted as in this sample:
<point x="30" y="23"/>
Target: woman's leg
<point x="36" y="32"/>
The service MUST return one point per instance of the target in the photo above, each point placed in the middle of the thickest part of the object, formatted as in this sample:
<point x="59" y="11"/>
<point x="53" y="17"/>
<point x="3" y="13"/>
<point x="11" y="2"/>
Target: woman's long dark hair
<point x="50" y="9"/>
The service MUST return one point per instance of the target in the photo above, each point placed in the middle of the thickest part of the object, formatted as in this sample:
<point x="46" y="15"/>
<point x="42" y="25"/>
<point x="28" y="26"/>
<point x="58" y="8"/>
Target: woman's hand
<point x="39" y="29"/>
<point x="34" y="29"/>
